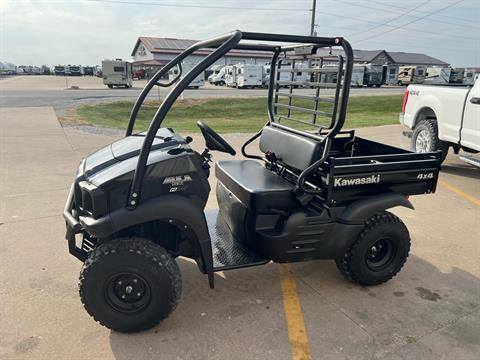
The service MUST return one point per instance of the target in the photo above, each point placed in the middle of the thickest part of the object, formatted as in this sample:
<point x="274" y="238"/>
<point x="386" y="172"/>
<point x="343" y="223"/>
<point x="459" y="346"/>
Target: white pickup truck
<point x="442" y="117"/>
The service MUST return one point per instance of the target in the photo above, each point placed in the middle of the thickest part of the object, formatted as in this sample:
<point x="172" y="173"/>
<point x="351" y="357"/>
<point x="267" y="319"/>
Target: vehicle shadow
<point x="461" y="169"/>
<point x="422" y="309"/>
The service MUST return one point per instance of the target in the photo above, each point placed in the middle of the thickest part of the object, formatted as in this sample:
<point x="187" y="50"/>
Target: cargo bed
<point x="357" y="168"/>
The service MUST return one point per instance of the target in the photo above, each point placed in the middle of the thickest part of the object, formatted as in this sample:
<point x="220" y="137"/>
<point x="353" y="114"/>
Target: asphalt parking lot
<point x="429" y="311"/>
<point x="36" y="90"/>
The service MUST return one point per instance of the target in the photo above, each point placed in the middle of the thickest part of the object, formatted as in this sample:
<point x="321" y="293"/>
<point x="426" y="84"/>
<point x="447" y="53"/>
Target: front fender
<point x="361" y="210"/>
<point x="174" y="209"/>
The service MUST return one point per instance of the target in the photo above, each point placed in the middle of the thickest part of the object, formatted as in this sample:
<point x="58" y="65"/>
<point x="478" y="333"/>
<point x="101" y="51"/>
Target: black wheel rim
<point x="380" y="254"/>
<point x="127" y="292"/>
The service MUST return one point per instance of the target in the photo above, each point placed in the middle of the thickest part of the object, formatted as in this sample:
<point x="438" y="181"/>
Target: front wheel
<point x="379" y="252"/>
<point x="130" y="285"/>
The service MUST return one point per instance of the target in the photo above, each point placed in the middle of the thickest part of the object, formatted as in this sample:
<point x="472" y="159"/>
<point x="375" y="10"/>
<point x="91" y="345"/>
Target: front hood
<point x="127" y="148"/>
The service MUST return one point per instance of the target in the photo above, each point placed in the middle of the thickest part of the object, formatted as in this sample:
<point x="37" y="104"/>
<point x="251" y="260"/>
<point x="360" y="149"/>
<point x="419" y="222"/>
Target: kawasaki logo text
<point x="374" y="179"/>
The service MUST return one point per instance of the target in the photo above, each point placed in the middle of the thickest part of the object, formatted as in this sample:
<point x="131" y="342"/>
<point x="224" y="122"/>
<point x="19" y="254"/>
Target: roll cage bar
<point x="222" y="45"/>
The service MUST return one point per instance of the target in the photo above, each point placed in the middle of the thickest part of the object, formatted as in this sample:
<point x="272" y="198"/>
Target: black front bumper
<point x="73" y="227"/>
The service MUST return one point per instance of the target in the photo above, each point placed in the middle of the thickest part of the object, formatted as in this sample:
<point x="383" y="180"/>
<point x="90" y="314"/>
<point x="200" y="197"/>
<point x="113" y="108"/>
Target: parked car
<point x="443" y="117"/>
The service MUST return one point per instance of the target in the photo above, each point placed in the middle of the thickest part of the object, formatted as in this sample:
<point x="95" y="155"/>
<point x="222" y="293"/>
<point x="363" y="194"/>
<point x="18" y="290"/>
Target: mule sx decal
<point x="177" y="180"/>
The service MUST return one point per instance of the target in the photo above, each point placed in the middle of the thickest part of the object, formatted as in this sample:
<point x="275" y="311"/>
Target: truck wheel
<point x="130" y="284"/>
<point x="378" y="253"/>
<point x="425" y="138"/>
<point x="110" y="86"/>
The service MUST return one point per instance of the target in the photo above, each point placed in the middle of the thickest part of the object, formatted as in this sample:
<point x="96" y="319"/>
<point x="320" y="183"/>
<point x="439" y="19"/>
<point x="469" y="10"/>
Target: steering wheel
<point x="213" y="141"/>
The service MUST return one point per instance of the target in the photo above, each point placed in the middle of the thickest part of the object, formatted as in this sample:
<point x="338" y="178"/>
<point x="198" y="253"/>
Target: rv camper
<point x="443" y="75"/>
<point x="390" y="74"/>
<point x="117" y="73"/>
<point x="214" y="70"/>
<point x="457" y="75"/>
<point x="76" y="70"/>
<point x="373" y="75"/>
<point x="357" y="75"/>
<point x="218" y="78"/>
<point x="186" y="67"/>
<point x="230" y="75"/>
<point x="470" y="76"/>
<point x="7" y="69"/>
<point x="59" y="70"/>
<point x="282" y="76"/>
<point x="246" y="75"/>
<point x="411" y="74"/>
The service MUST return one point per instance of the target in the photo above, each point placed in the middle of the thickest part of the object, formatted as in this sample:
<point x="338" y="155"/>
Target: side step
<point x="470" y="160"/>
<point x="228" y="252"/>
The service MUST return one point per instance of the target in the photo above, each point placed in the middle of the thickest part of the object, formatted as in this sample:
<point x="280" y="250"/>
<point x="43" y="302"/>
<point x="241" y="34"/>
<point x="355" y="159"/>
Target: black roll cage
<point x="222" y="45"/>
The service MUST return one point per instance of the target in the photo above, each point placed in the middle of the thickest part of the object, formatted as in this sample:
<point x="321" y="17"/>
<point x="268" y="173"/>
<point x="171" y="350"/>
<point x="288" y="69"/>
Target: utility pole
<point x="312" y="28"/>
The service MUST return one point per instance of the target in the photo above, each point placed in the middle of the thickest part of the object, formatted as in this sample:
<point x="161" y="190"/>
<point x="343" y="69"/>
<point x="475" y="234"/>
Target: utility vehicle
<point x="315" y="192"/>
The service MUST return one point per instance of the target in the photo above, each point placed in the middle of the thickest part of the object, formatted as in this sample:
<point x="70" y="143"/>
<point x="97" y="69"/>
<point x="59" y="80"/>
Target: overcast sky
<point x="35" y="32"/>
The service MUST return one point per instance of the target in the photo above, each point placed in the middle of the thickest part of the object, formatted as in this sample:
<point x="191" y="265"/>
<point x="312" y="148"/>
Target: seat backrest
<point x="292" y="150"/>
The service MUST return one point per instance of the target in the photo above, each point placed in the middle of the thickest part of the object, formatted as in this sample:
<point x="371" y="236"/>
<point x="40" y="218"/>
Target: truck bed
<point x="358" y="168"/>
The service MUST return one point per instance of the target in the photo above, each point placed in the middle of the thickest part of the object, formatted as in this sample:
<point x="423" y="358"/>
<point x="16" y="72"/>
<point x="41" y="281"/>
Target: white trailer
<point x="358" y="72"/>
<point x="186" y="67"/>
<point x="298" y="74"/>
<point x="390" y="74"/>
<point x="245" y="75"/>
<point x="230" y="75"/>
<point x="411" y="74"/>
<point x="373" y="75"/>
<point x="470" y="76"/>
<point x="443" y="75"/>
<point x="281" y="76"/>
<point x="117" y="73"/>
<point x="7" y="69"/>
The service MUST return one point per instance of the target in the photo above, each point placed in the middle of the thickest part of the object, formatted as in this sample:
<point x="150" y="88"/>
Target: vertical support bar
<point x="312" y="25"/>
<point x="337" y="91"/>
<point x="292" y="78"/>
<point x="271" y="86"/>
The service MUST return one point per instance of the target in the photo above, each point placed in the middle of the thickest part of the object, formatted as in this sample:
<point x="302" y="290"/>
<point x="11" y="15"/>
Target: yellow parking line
<point x="293" y="313"/>
<point x="457" y="191"/>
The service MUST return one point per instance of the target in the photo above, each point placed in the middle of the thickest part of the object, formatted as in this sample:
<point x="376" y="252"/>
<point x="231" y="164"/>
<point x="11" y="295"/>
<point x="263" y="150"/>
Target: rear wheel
<point x="425" y="138"/>
<point x="130" y="285"/>
<point x="379" y="252"/>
